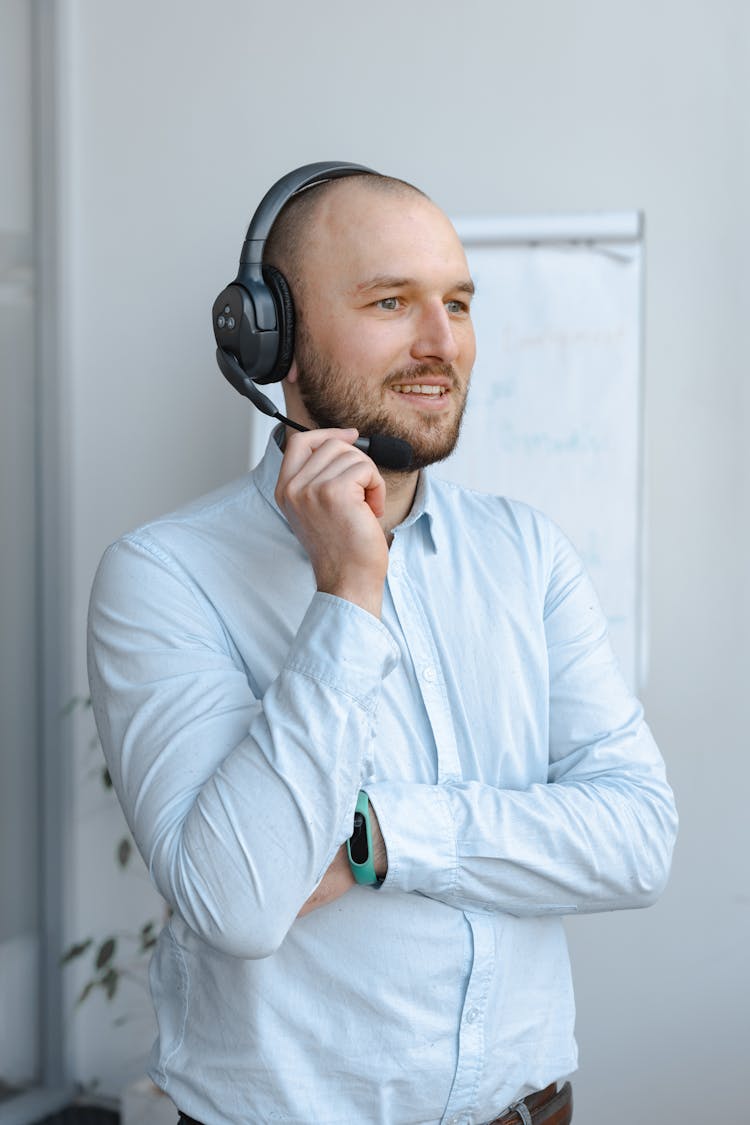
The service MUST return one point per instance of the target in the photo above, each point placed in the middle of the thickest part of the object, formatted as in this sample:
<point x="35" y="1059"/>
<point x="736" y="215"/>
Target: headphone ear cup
<point x="284" y="302"/>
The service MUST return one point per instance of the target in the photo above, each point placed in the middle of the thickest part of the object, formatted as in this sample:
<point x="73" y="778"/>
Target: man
<point x="321" y="636"/>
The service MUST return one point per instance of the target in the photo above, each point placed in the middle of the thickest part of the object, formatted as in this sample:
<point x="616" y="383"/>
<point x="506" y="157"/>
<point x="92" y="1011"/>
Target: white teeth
<point x="419" y="389"/>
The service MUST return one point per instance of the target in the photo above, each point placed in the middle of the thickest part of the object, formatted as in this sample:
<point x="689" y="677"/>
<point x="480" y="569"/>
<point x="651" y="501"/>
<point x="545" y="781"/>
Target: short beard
<point x="333" y="401"/>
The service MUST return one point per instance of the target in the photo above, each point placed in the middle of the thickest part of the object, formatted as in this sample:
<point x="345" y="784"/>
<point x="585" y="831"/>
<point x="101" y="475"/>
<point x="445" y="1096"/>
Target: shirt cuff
<point x="419" y="836"/>
<point x="343" y="646"/>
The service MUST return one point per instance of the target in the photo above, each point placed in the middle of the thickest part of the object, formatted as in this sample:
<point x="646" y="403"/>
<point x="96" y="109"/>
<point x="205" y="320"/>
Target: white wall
<point x="19" y="699"/>
<point x="178" y="115"/>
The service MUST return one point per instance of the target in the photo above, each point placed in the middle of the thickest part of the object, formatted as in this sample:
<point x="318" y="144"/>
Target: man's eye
<point x="388" y="303"/>
<point x="456" y="306"/>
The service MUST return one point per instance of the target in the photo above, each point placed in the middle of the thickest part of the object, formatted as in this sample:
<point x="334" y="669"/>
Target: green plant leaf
<point x="106" y="952"/>
<point x="86" y="990"/>
<point x="148" y="936"/>
<point x="124" y="849"/>
<point x="76" y="950"/>
<point x="74" y="702"/>
<point x="109" y="982"/>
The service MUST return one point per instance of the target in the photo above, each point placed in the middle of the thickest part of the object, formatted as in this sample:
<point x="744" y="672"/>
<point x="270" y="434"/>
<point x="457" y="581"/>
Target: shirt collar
<point x="423" y="509"/>
<point x="266" y="474"/>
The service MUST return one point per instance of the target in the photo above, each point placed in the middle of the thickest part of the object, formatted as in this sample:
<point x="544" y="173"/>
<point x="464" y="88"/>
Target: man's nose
<point x="435" y="337"/>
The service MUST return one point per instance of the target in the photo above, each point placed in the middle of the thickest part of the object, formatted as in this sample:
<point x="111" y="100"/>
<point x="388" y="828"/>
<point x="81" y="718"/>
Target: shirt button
<point x="429" y="674"/>
<point x="472" y="1015"/>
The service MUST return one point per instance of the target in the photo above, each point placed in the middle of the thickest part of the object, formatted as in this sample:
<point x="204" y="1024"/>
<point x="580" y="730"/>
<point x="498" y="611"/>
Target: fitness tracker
<point x="359" y="844"/>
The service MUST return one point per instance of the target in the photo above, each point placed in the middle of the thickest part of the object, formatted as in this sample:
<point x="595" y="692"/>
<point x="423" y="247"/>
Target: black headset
<point x="253" y="318"/>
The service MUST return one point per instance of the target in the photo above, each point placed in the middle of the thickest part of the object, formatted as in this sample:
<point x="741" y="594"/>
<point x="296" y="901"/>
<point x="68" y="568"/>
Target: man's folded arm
<point x="596" y="834"/>
<point x="238" y="805"/>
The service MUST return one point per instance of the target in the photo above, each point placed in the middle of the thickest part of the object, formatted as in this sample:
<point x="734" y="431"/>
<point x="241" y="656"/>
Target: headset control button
<point x="220" y="322"/>
<point x="227" y="309"/>
<point x="231" y="322"/>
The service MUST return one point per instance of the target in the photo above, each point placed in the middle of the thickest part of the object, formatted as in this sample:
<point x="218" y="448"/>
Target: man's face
<point x="385" y="340"/>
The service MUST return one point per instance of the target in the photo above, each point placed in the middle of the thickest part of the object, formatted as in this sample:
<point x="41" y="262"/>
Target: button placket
<point x="471" y="1029"/>
<point x="424" y="656"/>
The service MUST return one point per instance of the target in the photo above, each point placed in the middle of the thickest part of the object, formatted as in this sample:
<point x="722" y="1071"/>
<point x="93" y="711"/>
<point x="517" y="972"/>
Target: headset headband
<point x="277" y="196"/>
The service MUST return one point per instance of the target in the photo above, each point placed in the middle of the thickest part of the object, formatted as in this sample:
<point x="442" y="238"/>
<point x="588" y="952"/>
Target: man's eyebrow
<point x="384" y="281"/>
<point x="391" y="281"/>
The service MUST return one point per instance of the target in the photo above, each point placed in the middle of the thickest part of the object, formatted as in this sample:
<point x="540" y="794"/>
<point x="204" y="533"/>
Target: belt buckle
<point x="522" y="1110"/>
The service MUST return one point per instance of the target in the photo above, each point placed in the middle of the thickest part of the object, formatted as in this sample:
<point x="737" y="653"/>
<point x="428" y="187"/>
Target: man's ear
<point x="290" y="389"/>
<point x="292" y="374"/>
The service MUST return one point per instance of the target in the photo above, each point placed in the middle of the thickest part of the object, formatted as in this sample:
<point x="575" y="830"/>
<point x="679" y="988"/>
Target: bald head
<point x="302" y="219"/>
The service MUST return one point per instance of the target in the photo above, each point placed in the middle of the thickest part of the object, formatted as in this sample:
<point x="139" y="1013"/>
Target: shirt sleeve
<point x="237" y="804"/>
<point x="597" y="835"/>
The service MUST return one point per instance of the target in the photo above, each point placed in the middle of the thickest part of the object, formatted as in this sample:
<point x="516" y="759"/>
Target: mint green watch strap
<point x="359" y="844"/>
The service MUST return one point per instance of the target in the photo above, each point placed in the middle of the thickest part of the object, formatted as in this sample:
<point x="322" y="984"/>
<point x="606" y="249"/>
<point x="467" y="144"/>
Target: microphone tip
<point x="390" y="452"/>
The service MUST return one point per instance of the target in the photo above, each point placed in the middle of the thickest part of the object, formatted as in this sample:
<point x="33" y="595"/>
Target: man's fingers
<point x="333" y="496"/>
<point x="342" y="477"/>
<point x="319" y="463"/>
<point x="300" y="447"/>
<point x="325" y="462"/>
<point x="359" y="474"/>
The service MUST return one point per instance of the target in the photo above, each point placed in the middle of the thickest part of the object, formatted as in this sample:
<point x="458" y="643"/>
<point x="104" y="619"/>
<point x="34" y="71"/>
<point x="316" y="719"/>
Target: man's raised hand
<point x="333" y="497"/>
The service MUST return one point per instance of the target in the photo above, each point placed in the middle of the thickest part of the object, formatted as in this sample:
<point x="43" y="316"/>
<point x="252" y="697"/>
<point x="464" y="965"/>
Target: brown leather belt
<point x="546" y="1107"/>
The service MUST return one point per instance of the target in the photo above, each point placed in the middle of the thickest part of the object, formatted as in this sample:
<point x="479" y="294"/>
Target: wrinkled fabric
<point x="511" y="770"/>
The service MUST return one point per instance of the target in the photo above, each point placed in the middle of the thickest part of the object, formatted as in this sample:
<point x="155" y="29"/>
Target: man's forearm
<point x="339" y="879"/>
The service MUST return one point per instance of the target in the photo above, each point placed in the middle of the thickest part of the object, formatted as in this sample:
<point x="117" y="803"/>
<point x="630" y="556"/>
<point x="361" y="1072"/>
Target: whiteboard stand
<point x="554" y="416"/>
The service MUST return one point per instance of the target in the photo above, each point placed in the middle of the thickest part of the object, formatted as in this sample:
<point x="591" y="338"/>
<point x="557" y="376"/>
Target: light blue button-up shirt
<point x="512" y="773"/>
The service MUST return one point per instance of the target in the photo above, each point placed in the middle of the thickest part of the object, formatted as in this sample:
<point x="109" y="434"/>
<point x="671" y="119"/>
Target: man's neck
<point x="400" y="489"/>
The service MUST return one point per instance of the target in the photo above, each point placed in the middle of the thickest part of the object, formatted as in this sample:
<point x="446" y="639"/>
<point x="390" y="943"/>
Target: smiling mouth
<point x="420" y="389"/>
